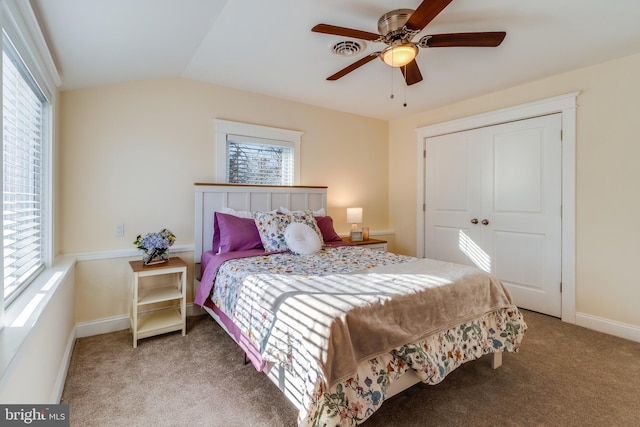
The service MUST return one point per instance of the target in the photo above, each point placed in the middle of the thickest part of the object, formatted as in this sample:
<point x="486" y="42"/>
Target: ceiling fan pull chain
<point x="391" y="69"/>
<point x="405" y="91"/>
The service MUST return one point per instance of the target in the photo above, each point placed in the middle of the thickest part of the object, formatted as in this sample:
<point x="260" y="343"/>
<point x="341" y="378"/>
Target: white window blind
<point x="259" y="161"/>
<point x="254" y="154"/>
<point x="24" y="107"/>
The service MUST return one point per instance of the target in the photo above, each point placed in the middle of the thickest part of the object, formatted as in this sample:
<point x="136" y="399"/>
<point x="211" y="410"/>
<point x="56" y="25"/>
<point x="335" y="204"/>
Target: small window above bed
<point x="252" y="154"/>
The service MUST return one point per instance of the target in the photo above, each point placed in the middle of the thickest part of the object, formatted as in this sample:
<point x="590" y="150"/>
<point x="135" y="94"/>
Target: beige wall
<point x="607" y="202"/>
<point x="129" y="153"/>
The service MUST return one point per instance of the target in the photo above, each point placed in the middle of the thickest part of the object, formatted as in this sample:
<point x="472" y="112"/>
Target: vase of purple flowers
<point x="155" y="246"/>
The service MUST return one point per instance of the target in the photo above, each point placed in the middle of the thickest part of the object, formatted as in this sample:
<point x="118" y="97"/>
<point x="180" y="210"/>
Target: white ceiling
<point x="266" y="46"/>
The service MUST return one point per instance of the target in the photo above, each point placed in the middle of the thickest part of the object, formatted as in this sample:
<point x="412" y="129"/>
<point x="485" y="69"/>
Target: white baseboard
<point x="102" y="326"/>
<point x="58" y="387"/>
<point x="611" y="327"/>
<point x="118" y="323"/>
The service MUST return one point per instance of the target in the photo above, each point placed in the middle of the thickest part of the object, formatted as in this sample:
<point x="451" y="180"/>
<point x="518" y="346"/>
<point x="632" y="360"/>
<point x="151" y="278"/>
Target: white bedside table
<point x="171" y="288"/>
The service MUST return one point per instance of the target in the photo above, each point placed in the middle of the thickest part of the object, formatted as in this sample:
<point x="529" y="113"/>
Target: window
<point x="25" y="113"/>
<point x="251" y="154"/>
<point x="258" y="162"/>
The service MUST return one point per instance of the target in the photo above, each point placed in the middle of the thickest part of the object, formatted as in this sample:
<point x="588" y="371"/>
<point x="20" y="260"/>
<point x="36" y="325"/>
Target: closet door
<point x="453" y="191"/>
<point x="493" y="200"/>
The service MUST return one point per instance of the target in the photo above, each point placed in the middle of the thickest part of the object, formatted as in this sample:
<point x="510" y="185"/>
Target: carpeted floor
<point x="564" y="375"/>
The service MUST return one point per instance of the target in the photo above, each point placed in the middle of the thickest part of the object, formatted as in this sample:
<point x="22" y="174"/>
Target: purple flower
<point x="368" y="382"/>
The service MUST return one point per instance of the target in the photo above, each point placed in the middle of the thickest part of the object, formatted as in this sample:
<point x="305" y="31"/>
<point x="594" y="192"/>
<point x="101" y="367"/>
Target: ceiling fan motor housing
<point x="392" y="23"/>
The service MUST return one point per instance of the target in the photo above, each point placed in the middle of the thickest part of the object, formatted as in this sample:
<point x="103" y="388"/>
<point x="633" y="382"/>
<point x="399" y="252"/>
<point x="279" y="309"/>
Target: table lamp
<point x="354" y="216"/>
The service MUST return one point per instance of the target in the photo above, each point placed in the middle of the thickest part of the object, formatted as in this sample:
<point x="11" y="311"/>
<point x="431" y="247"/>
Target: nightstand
<point x="380" y="245"/>
<point x="170" y="288"/>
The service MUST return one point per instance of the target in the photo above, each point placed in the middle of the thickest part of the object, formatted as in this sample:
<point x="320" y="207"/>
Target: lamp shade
<point x="354" y="215"/>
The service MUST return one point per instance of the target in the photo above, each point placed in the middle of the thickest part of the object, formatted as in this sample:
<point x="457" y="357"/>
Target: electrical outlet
<point x="118" y="230"/>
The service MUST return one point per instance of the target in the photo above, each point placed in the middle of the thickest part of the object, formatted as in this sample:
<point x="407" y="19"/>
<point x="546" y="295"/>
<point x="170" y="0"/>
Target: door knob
<point x="474" y="221"/>
<point x="485" y="222"/>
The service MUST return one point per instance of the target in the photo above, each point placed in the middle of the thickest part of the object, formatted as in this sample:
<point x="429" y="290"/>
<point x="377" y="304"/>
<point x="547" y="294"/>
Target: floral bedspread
<point x="232" y="276"/>
<point x="352" y="401"/>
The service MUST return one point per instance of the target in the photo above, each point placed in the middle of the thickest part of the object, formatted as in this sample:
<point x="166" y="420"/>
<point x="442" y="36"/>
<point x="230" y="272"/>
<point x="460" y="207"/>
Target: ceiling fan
<point x="397" y="29"/>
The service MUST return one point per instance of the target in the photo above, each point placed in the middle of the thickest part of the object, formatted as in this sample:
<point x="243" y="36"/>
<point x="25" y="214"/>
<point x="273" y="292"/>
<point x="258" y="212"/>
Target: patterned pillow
<point x="271" y="227"/>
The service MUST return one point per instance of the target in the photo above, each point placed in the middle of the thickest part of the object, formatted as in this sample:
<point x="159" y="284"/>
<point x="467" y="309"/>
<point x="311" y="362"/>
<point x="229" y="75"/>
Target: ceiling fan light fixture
<point x="399" y="55"/>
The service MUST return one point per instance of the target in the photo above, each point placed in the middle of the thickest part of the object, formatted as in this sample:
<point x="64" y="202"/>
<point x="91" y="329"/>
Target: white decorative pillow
<point x="306" y="217"/>
<point x="271" y="227"/>
<point x="239" y="214"/>
<point x="302" y="239"/>
<point x="319" y="212"/>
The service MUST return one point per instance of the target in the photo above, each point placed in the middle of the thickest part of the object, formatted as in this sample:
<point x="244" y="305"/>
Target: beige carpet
<point x="564" y="375"/>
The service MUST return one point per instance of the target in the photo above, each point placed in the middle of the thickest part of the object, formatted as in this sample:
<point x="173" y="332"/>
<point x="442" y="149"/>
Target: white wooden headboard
<point x="210" y="198"/>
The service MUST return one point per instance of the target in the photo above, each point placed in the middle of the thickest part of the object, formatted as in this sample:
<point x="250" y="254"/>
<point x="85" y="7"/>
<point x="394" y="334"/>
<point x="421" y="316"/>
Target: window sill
<point x="23" y="313"/>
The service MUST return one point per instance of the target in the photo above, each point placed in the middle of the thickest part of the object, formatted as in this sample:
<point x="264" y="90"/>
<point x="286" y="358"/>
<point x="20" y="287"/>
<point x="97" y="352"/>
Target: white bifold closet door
<point x="493" y="200"/>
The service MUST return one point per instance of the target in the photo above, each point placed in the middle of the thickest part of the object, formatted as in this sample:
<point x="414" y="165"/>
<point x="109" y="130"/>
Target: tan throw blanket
<point x="344" y="319"/>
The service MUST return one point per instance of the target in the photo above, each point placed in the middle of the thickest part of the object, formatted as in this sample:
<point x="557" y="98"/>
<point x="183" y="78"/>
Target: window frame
<point x="270" y="135"/>
<point x="21" y="27"/>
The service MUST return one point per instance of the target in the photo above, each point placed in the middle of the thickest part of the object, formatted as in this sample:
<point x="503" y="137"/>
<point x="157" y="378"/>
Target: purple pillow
<point x="232" y="233"/>
<point x="215" y="246"/>
<point x="325" y="223"/>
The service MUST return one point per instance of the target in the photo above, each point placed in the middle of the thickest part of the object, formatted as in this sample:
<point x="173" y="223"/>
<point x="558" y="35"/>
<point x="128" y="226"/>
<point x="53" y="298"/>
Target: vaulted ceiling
<point x="268" y="47"/>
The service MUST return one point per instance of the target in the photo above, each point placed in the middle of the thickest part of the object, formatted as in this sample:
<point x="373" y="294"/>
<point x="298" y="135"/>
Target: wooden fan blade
<point x="487" y="39"/>
<point x="425" y="13"/>
<point x="346" y="32"/>
<point x="411" y="73"/>
<point x="354" y="66"/>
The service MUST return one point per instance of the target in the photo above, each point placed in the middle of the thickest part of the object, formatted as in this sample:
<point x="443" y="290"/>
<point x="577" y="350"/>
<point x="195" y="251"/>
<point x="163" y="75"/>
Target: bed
<point x="338" y="328"/>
